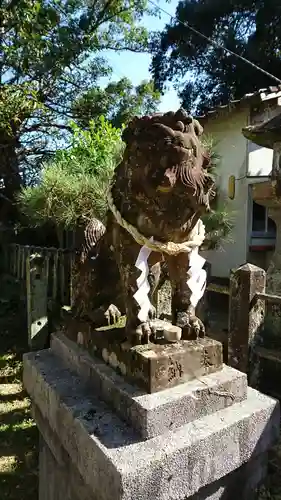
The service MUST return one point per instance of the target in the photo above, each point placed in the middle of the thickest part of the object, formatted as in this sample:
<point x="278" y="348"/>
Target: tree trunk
<point x="10" y="179"/>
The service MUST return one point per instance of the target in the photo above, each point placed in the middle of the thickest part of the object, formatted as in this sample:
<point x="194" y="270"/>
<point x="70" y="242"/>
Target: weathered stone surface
<point x="62" y="481"/>
<point x="172" y="333"/>
<point x="159" y="191"/>
<point x="112" y="460"/>
<point x="153" y="414"/>
<point x="164" y="301"/>
<point x="273" y="274"/>
<point x="246" y="316"/>
<point x="266" y="134"/>
<point x="242" y="483"/>
<point x="152" y="367"/>
<point x="36" y="293"/>
<point x="166" y="331"/>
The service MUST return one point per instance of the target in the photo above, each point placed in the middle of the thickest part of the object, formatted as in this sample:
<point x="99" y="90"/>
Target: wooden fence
<point x="45" y="276"/>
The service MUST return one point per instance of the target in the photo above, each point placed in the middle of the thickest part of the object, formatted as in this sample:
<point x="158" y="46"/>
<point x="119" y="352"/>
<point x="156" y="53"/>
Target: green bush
<point x="218" y="225"/>
<point x="218" y="222"/>
<point x="73" y="185"/>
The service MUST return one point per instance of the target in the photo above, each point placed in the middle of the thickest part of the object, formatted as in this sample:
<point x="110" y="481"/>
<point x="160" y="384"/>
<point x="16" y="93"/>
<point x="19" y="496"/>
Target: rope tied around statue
<point x="196" y="275"/>
<point x="196" y="239"/>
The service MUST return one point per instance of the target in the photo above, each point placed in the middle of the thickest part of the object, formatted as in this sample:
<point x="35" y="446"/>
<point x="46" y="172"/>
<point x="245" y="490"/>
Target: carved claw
<point x="143" y="333"/>
<point x="112" y="314"/>
<point x="197" y="326"/>
<point x="191" y="326"/>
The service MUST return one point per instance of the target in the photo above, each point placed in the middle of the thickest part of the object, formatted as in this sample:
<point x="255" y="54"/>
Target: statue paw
<point x="143" y="333"/>
<point x="112" y="314"/>
<point x="192" y="326"/>
<point x="197" y="326"/>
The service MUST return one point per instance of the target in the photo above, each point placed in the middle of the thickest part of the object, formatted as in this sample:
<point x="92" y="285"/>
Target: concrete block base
<point x="88" y="452"/>
<point x="153" y="414"/>
<point x="60" y="480"/>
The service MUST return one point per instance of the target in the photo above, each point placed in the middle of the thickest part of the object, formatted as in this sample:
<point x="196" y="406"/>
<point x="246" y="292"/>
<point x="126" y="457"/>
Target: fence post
<point x="14" y="262"/>
<point x="246" y="315"/>
<point x="37" y="292"/>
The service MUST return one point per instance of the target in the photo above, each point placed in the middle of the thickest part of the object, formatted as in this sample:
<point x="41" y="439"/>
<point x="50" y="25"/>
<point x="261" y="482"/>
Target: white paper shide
<point x="196" y="281"/>
<point x="141" y="295"/>
<point x="197" y="277"/>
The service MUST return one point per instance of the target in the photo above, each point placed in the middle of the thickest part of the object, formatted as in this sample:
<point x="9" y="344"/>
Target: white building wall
<point x="260" y="160"/>
<point x="249" y="164"/>
<point x="232" y="149"/>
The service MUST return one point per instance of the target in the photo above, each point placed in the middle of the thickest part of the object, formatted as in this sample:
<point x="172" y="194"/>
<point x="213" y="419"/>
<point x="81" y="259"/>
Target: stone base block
<point x="153" y="414"/>
<point x="153" y="367"/>
<point x="111" y="460"/>
<point x="62" y="481"/>
<point x="242" y="484"/>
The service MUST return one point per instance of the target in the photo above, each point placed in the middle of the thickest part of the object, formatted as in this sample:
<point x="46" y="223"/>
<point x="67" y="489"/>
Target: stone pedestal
<point x="103" y="438"/>
<point x="154" y="366"/>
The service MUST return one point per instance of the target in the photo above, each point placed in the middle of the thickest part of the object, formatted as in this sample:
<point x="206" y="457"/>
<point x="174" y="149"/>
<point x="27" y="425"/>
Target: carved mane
<point x="176" y="131"/>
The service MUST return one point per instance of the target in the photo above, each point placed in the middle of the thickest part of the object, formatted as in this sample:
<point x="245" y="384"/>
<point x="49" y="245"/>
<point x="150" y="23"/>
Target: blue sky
<point x="136" y="66"/>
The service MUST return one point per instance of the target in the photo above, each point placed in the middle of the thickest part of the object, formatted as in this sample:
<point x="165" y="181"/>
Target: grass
<point x="272" y="488"/>
<point x="18" y="433"/>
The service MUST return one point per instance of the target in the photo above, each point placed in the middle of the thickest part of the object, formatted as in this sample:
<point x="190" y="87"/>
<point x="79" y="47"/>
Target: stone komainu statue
<point x="158" y="194"/>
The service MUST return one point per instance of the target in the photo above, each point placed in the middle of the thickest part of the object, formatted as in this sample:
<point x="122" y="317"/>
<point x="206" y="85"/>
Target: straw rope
<point x="197" y="235"/>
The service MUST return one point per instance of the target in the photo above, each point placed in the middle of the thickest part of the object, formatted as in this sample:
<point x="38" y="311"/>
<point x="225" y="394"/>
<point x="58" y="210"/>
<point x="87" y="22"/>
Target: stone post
<point x="273" y="276"/>
<point x="246" y="315"/>
<point x="276" y="168"/>
<point x="37" y="271"/>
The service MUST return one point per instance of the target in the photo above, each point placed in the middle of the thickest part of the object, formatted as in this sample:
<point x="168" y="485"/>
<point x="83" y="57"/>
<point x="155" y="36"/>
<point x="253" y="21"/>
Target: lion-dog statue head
<point x="162" y="186"/>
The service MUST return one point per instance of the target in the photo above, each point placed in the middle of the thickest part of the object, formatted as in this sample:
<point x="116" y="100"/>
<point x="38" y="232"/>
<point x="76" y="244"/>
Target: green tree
<point x="74" y="183"/>
<point x="118" y="102"/>
<point x="210" y="76"/>
<point x="219" y="221"/>
<point x="50" y="53"/>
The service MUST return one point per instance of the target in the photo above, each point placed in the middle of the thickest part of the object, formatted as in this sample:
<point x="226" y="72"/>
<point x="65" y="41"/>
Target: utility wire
<point x="115" y="69"/>
<point x="215" y="44"/>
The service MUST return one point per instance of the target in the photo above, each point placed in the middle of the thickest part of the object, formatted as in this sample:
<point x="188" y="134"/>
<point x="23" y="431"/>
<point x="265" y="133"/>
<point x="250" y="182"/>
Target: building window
<point x="262" y="225"/>
<point x="263" y="231"/>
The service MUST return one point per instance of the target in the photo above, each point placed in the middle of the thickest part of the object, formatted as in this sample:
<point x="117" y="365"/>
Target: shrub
<point x="73" y="185"/>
